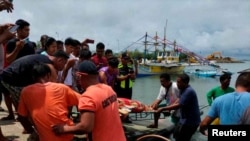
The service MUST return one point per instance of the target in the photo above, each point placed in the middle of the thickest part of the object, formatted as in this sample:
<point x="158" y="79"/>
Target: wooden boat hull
<point x="158" y="68"/>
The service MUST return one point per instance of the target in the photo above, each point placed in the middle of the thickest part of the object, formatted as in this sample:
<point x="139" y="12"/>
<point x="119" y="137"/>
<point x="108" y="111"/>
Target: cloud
<point x="197" y="25"/>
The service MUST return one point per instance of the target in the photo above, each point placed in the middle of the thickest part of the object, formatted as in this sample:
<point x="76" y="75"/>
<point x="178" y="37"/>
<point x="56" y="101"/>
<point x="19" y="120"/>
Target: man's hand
<point x="5" y="34"/>
<point x="154" y="106"/>
<point x="204" y="132"/>
<point x="6" y="5"/>
<point x="159" y="110"/>
<point x="5" y="26"/>
<point x="58" y="129"/>
<point x="20" y="44"/>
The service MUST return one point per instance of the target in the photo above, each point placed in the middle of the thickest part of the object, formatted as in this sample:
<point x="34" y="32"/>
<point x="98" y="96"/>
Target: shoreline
<point x="11" y="129"/>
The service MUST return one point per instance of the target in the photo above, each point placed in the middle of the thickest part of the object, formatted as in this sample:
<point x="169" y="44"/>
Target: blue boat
<point x="205" y="73"/>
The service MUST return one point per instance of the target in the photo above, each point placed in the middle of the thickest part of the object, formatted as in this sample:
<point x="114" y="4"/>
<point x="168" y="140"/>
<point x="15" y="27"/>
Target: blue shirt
<point x="230" y="107"/>
<point x="190" y="113"/>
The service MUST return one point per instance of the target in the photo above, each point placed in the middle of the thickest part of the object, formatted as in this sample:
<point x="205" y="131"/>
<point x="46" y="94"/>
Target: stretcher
<point x="136" y="115"/>
<point x="146" y="115"/>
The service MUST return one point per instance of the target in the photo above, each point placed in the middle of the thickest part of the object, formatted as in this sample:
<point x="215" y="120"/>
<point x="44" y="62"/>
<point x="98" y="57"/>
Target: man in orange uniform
<point x="47" y="104"/>
<point x="99" y="109"/>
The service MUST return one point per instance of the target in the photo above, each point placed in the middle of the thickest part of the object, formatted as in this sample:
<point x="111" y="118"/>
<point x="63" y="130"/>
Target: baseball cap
<point x="87" y="67"/>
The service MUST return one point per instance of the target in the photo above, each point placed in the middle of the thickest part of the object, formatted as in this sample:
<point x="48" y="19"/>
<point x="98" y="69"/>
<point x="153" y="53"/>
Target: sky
<point x="202" y="26"/>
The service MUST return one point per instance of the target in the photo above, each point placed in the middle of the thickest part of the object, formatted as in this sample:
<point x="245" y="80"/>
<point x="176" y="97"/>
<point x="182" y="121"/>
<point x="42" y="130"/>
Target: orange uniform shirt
<point x="47" y="104"/>
<point x="102" y="100"/>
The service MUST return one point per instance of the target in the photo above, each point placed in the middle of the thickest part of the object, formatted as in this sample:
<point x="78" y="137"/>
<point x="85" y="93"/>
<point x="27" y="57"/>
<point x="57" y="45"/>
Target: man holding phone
<point x="20" y="46"/>
<point x="17" y="48"/>
<point x="5" y="34"/>
<point x="99" y="59"/>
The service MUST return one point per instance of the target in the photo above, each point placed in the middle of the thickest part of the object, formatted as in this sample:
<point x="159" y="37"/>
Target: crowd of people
<point x="44" y="85"/>
<point x="61" y="74"/>
<point x="45" y="82"/>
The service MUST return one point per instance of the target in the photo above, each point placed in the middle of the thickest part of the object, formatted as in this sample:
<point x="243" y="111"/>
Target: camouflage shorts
<point x="14" y="91"/>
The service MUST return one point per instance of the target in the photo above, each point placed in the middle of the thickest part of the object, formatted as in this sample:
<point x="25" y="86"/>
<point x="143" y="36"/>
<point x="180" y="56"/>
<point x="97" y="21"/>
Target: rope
<point x="203" y="107"/>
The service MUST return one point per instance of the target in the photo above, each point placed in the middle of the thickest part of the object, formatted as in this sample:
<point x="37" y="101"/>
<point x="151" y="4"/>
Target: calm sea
<point x="146" y="89"/>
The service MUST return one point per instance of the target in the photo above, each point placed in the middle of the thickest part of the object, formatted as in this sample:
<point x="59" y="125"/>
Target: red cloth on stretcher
<point x="137" y="105"/>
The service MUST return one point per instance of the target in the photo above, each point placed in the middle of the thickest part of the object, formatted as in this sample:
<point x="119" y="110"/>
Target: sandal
<point x="9" y="117"/>
<point x="152" y="126"/>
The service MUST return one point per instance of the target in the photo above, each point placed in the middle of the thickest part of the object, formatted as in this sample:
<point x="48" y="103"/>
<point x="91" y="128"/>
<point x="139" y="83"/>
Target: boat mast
<point x="145" y="49"/>
<point x="165" y="40"/>
<point x="175" y="48"/>
<point x="156" y="44"/>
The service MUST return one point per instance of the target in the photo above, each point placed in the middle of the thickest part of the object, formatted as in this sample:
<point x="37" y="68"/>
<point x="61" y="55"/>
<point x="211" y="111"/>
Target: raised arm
<point x="70" y="63"/>
<point x="11" y="55"/>
<point x="103" y="78"/>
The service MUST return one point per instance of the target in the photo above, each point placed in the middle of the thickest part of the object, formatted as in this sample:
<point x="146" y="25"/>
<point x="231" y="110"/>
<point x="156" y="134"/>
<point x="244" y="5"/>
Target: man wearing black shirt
<point x="20" y="46"/>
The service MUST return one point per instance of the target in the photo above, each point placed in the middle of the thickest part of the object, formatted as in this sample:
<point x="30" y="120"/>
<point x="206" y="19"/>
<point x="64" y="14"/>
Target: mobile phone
<point x="90" y="41"/>
<point x="14" y="28"/>
<point x="26" y="40"/>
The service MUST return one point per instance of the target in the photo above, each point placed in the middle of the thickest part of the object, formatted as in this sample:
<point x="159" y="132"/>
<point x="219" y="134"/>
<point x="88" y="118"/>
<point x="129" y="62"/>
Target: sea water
<point x="146" y="89"/>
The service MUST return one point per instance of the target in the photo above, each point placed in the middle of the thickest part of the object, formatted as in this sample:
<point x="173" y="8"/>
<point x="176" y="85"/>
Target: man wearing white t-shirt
<point x="170" y="92"/>
<point x="66" y="74"/>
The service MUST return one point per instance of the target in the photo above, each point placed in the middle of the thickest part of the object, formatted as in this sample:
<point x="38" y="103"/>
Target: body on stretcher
<point x="137" y="110"/>
<point x="132" y="108"/>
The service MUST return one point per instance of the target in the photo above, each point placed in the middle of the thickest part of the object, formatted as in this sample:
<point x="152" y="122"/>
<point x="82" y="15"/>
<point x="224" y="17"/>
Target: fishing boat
<point x="165" y="60"/>
<point x="158" y="68"/>
<point x="169" y="64"/>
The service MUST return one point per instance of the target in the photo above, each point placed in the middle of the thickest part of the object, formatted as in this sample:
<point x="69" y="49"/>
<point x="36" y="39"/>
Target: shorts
<point x="14" y="91"/>
<point x="3" y="89"/>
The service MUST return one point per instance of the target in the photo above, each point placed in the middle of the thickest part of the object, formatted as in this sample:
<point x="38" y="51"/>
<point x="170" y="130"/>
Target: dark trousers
<point x="184" y="132"/>
<point x="1" y="97"/>
<point x="124" y="93"/>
